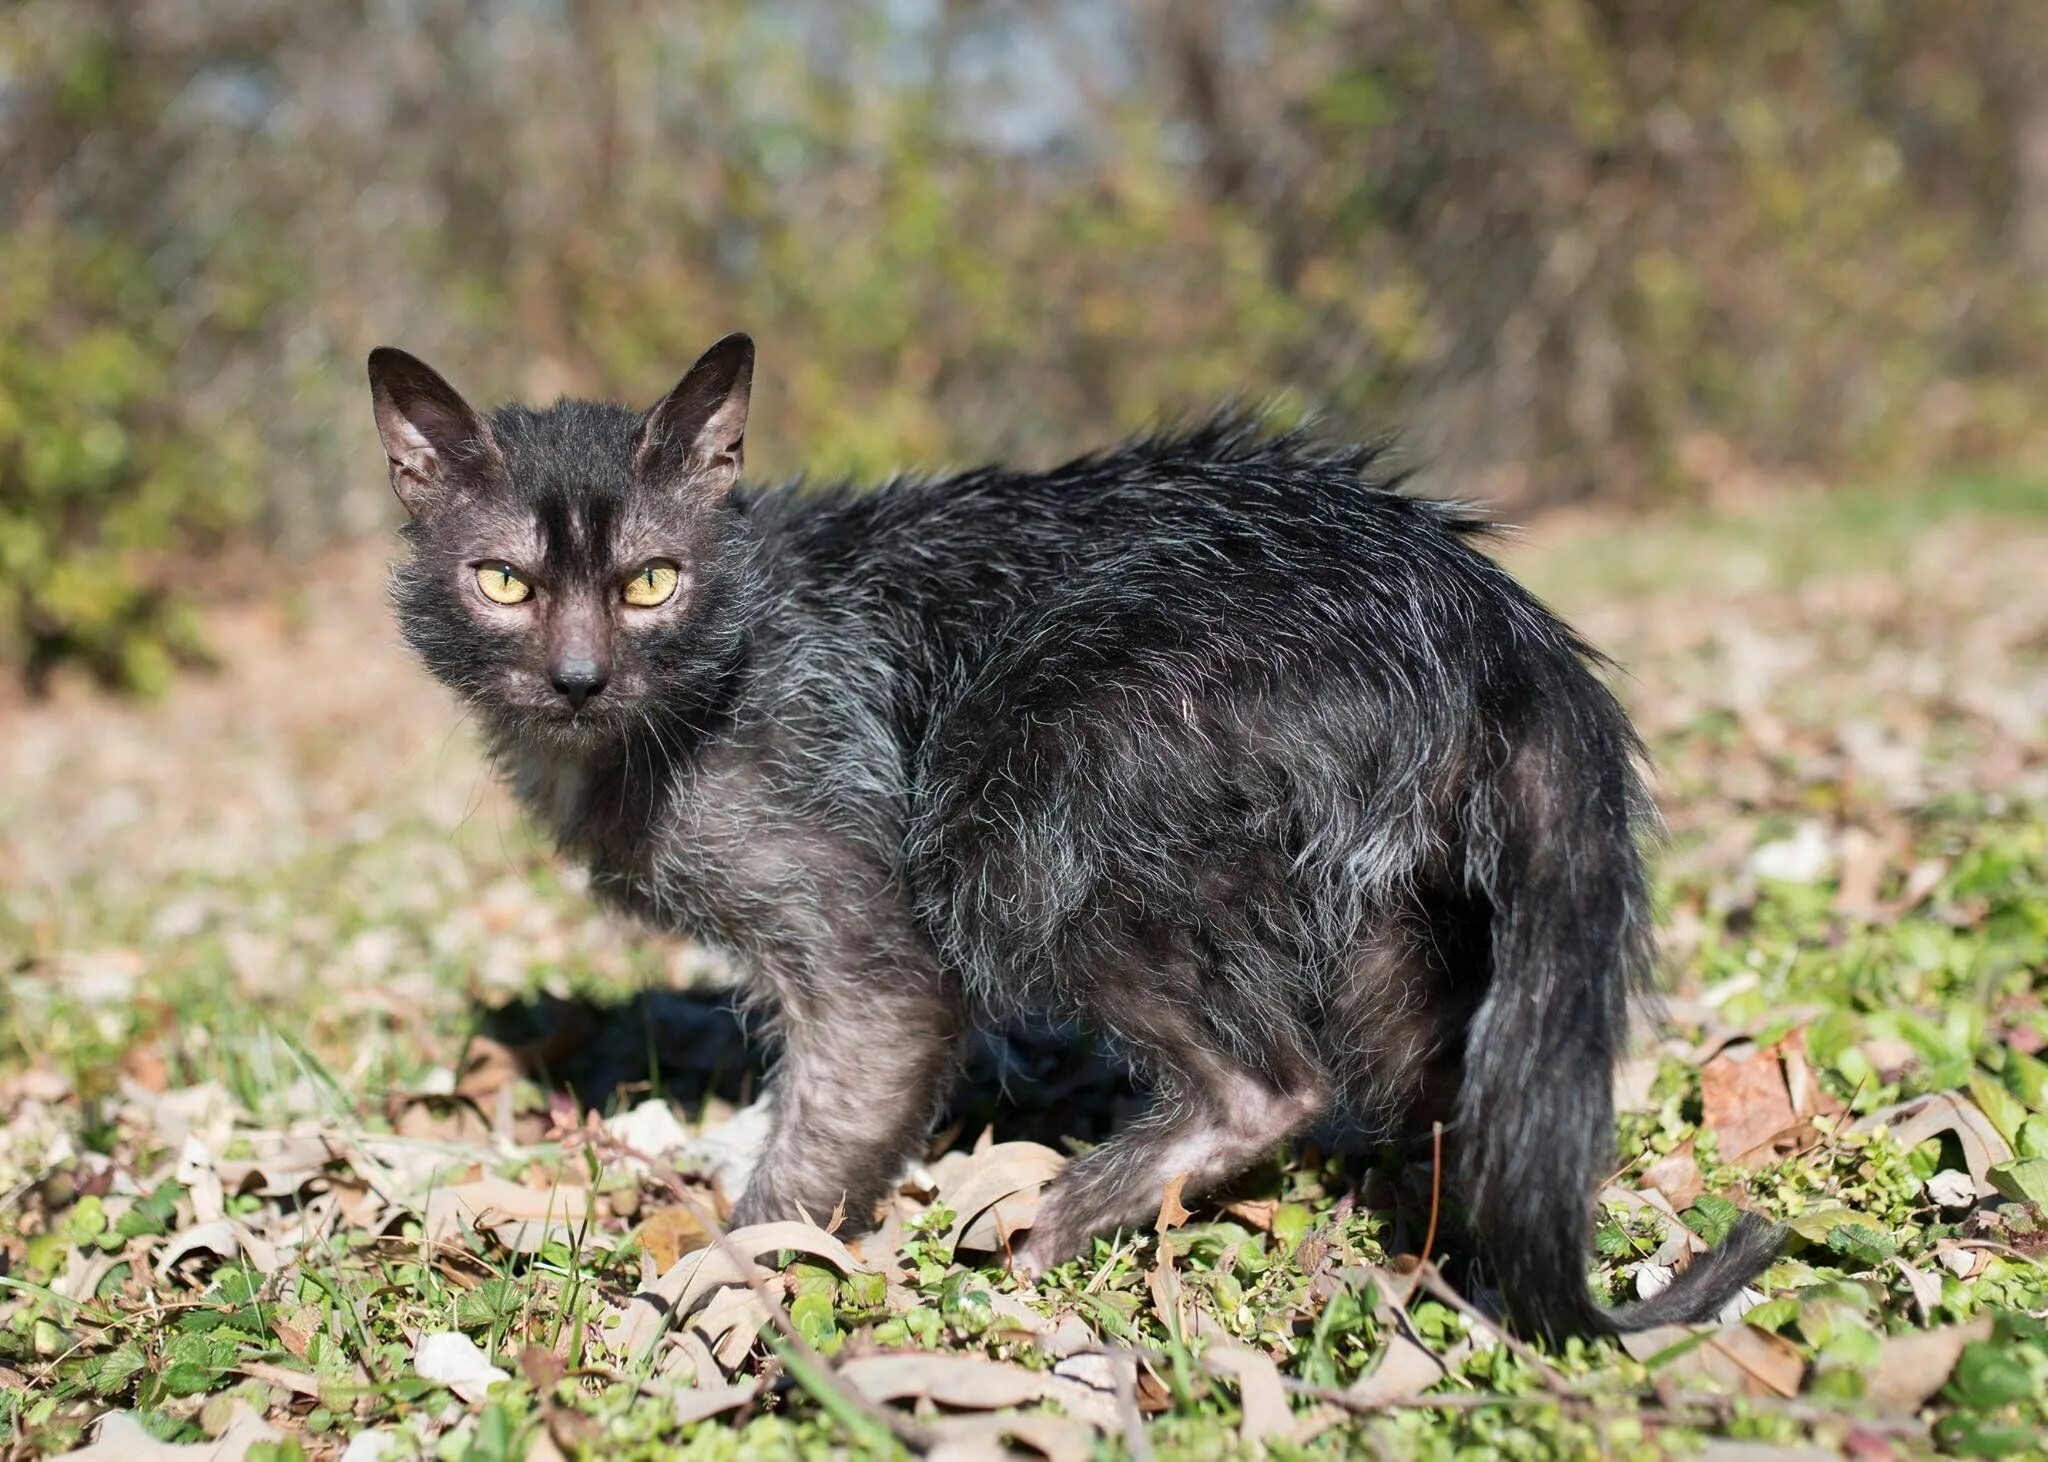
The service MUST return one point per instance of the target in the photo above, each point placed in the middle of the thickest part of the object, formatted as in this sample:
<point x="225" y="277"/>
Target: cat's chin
<point x="557" y="731"/>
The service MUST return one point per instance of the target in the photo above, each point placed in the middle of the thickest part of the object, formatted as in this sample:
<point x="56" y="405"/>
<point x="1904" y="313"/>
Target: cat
<point x="1216" y="742"/>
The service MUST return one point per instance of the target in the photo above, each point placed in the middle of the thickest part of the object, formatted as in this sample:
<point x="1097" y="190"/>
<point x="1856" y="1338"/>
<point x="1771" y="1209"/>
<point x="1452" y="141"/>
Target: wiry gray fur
<point x="1214" y="741"/>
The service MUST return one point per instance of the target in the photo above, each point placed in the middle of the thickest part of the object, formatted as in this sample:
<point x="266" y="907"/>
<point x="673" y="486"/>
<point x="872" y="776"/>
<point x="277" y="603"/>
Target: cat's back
<point x="1223" y="519"/>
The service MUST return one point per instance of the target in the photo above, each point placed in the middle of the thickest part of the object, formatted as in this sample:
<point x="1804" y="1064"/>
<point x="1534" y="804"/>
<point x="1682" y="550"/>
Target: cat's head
<point x="574" y="570"/>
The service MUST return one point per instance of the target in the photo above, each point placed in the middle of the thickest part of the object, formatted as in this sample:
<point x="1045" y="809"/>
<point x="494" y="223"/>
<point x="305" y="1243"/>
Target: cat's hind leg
<point x="1215" y="1116"/>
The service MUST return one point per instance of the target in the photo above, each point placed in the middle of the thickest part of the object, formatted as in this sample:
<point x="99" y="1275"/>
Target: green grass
<point x="334" y="992"/>
<point x="1786" y="541"/>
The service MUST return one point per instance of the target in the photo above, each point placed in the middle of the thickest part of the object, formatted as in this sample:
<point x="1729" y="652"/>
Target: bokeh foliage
<point x="109" y="496"/>
<point x="1575" y="248"/>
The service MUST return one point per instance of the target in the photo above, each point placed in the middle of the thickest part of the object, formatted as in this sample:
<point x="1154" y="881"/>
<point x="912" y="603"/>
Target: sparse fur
<point x="1216" y="742"/>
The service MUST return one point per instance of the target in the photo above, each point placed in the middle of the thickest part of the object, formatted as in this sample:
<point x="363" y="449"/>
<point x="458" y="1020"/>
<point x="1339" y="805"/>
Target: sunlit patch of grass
<point x="1786" y="540"/>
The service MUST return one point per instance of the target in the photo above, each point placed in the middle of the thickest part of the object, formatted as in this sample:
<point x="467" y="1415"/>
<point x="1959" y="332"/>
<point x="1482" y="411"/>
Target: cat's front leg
<point x="867" y="1056"/>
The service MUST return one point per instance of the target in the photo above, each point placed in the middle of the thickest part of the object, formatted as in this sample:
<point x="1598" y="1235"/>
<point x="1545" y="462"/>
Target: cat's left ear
<point x="694" y="440"/>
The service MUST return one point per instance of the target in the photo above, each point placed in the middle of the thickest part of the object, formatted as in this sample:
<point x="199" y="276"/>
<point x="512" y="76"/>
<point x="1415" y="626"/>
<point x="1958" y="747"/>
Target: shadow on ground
<point x="1036" y="1085"/>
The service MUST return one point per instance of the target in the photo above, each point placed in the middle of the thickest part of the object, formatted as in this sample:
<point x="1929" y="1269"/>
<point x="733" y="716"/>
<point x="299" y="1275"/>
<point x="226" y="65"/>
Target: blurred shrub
<point x="1628" y="249"/>
<point x="109" y="496"/>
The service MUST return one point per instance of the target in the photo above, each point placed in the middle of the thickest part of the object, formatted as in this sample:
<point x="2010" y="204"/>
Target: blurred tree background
<point x="1636" y="250"/>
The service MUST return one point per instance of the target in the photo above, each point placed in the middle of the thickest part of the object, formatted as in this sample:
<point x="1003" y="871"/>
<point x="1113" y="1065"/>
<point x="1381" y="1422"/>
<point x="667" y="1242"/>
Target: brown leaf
<point x="145" y="1066"/>
<point x="1802" y="1084"/>
<point x="669" y="1233"/>
<point x="1862" y="865"/>
<point x="1257" y="1212"/>
<point x="1172" y="1213"/>
<point x="1407" y="1369"/>
<point x="1912" y="1123"/>
<point x="1164" y="1284"/>
<point x="1742" y="1357"/>
<point x="295" y="1383"/>
<point x="1745" y="1102"/>
<point x="1911" y="1368"/>
<point x="1260" y="1395"/>
<point x="542" y="1367"/>
<point x="999" y="1223"/>
<point x="122" y="1439"/>
<point x="734" y="1319"/>
<point x="972" y="1384"/>
<point x="973" y="1438"/>
<point x="520" y="1218"/>
<point x="702" y="1402"/>
<point x="295" y="1336"/>
<point x="1072" y="1335"/>
<point x="985" y="1178"/>
<point x="1676" y="1175"/>
<point x="692" y="1278"/>
<point x="224" y="1238"/>
<point x="488" y="1067"/>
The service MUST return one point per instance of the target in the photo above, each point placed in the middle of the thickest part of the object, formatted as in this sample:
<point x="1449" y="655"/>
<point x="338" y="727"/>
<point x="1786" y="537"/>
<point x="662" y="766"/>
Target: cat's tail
<point x="1552" y="842"/>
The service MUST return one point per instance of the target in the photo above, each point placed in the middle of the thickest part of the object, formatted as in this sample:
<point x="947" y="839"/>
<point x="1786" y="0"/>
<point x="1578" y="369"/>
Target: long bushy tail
<point x="1552" y="841"/>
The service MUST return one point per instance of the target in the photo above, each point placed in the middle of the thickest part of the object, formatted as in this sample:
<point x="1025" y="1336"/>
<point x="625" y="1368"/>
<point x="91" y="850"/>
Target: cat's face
<point x="572" y="570"/>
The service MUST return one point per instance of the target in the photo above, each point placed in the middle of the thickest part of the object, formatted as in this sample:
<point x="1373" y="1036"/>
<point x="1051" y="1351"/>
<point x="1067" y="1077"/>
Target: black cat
<point x="1214" y="742"/>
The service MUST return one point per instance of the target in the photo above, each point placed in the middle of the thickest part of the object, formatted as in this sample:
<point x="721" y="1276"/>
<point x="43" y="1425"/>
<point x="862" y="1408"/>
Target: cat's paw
<point x="1041" y="1250"/>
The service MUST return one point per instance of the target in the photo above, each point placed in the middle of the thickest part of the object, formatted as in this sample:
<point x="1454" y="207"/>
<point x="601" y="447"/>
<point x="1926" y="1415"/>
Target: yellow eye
<point x="655" y="584"/>
<point x="501" y="585"/>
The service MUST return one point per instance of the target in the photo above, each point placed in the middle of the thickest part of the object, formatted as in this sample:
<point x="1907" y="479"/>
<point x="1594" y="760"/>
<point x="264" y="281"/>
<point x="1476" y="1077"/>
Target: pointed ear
<point x="695" y="437"/>
<point x="430" y="433"/>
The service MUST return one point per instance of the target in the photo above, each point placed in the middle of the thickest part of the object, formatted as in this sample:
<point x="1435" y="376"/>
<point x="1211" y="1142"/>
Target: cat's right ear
<point x="429" y="431"/>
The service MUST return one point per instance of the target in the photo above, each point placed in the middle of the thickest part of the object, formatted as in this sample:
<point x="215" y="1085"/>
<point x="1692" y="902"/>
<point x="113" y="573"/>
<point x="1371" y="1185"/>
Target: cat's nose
<point x="578" y="681"/>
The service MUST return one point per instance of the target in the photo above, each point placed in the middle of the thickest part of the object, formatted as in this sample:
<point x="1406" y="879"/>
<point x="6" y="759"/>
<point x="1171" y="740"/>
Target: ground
<point x="297" y="1016"/>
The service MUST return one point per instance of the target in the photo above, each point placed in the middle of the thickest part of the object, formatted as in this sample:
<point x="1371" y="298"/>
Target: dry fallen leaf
<point x="1163" y="1284"/>
<point x="1407" y="1369"/>
<point x="669" y="1233"/>
<point x="1172" y="1213"/>
<point x="1863" y="861"/>
<point x="451" y="1358"/>
<point x="732" y="1321"/>
<point x="692" y="1278"/>
<point x="987" y="1179"/>
<point x="223" y="1238"/>
<point x="1912" y="1123"/>
<point x="1257" y="1212"/>
<point x="973" y="1384"/>
<point x="1260" y="1395"/>
<point x="295" y="1383"/>
<point x="648" y="1132"/>
<point x="1676" y="1175"/>
<point x="122" y="1439"/>
<point x="1924" y="1287"/>
<point x="701" y="1402"/>
<point x="1911" y="1368"/>
<point x="976" y="1438"/>
<point x="520" y="1218"/>
<point x="1741" y="1357"/>
<point x="1745" y="1102"/>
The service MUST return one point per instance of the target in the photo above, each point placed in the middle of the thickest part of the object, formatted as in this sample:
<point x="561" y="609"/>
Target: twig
<point x="1436" y="1185"/>
<point x="1430" y="1279"/>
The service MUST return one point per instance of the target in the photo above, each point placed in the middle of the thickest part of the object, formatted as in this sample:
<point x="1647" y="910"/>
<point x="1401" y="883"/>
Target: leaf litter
<point x="341" y="1124"/>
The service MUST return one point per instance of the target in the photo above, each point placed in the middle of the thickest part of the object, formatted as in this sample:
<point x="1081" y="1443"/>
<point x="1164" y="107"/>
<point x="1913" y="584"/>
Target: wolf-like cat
<point x="1215" y="742"/>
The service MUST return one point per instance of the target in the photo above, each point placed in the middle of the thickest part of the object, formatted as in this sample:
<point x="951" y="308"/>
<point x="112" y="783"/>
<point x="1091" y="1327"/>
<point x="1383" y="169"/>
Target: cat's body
<point x="1212" y="742"/>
